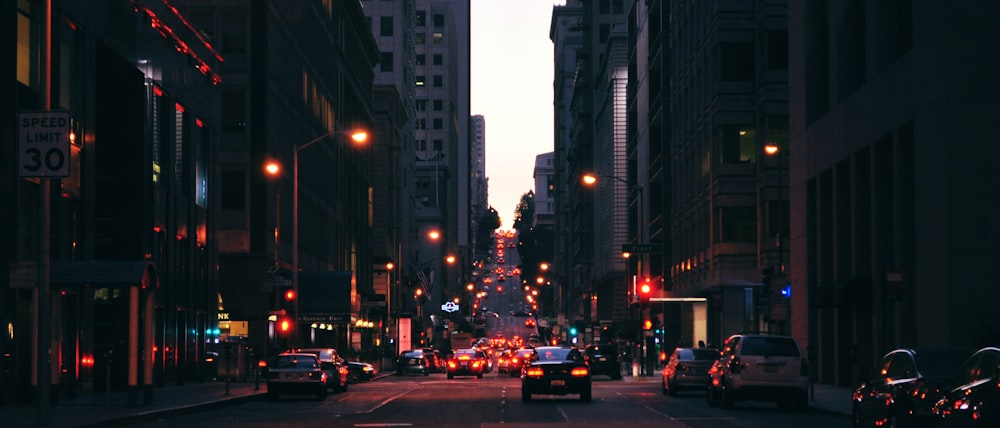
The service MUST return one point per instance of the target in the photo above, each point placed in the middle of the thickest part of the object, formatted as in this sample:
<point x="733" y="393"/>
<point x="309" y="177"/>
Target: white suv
<point x="760" y="367"/>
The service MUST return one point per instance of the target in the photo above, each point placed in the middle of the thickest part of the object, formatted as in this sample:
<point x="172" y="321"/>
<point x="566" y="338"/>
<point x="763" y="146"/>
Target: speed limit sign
<point x="43" y="144"/>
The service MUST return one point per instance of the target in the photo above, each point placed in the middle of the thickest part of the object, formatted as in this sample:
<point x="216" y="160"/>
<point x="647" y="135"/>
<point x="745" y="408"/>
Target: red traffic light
<point x="647" y="325"/>
<point x="285" y="325"/>
<point x="289" y="294"/>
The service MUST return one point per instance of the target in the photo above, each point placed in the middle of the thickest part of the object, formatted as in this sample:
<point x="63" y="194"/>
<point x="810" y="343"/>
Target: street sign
<point x="43" y="144"/>
<point x="640" y="248"/>
<point x="450" y="307"/>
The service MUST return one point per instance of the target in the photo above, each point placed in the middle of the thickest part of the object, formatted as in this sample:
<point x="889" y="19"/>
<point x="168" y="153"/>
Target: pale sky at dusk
<point x="512" y="89"/>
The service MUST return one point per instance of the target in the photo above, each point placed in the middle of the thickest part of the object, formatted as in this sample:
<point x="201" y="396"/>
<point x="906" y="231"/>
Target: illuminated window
<point x="438" y="37"/>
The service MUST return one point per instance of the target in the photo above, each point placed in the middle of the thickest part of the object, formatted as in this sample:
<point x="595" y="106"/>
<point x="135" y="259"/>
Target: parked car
<point x="903" y="386"/>
<point x="556" y="370"/>
<point x="435" y="362"/>
<point x="295" y="373"/>
<point x="517" y="361"/>
<point x="603" y="359"/>
<point x="412" y="361"/>
<point x="466" y="362"/>
<point x="687" y="368"/>
<point x="335" y="367"/>
<point x="760" y="367"/>
<point x="359" y="371"/>
<point x="974" y="399"/>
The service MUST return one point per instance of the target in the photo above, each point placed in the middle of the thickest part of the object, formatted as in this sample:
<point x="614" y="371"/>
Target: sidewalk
<point x="96" y="410"/>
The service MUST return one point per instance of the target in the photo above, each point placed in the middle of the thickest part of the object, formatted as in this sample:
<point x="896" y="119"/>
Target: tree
<point x="487" y="224"/>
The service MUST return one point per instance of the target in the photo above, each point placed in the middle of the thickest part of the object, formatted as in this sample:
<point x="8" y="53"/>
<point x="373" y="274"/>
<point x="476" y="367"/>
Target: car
<point x="466" y="362"/>
<point x="760" y="367"/>
<point x="503" y="361"/>
<point x="687" y="368"/>
<point x="336" y="368"/>
<point x="603" y="359"/>
<point x="434" y="360"/>
<point x="556" y="370"/>
<point x="974" y="399"/>
<point x="903" y="386"/>
<point x="518" y="361"/>
<point x="413" y="361"/>
<point x="360" y="371"/>
<point x="295" y="373"/>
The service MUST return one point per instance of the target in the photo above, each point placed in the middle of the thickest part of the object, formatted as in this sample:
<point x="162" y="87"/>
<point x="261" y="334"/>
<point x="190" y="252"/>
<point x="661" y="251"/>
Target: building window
<point x="438" y="81"/>
<point x="438" y="145"/>
<point x="737" y="144"/>
<point x="421" y="105"/>
<point x="418" y="38"/>
<point x="233" y="188"/>
<point x="420" y="19"/>
<point x="385" y="25"/>
<point x="438" y="105"/>
<point x="438" y="20"/>
<point x="234" y="34"/>
<point x="422" y="145"/>
<point x="420" y="80"/>
<point x="737" y="224"/>
<point x="736" y="62"/>
<point x="438" y="38"/>
<point x="386" y="63"/>
<point x="421" y="59"/>
<point x="421" y="124"/>
<point x="438" y="123"/>
<point x="438" y="59"/>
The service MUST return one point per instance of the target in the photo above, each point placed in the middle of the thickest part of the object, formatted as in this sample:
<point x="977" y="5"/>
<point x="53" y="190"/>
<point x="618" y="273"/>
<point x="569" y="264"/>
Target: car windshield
<point x="603" y="350"/>
<point x="295" y="361"/>
<point x="413" y="354"/>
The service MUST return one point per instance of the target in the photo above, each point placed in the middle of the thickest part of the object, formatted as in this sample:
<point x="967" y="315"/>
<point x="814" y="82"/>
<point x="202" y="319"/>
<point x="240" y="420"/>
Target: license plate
<point x="557" y="382"/>
<point x="413" y="362"/>
<point x="602" y="359"/>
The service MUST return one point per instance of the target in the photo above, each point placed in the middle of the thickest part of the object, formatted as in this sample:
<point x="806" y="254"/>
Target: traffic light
<point x="288" y="295"/>
<point x="645" y="289"/>
<point x="647" y="324"/>
<point x="285" y="325"/>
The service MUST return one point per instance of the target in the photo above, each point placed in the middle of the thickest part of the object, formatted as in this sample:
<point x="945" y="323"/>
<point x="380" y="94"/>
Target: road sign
<point x="43" y="149"/>
<point x="640" y="248"/>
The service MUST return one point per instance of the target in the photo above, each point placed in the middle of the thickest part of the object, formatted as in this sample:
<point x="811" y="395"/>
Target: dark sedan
<point x="413" y="361"/>
<point x="360" y="371"/>
<point x="466" y="362"/>
<point x="974" y="399"/>
<point x="903" y="386"/>
<point x="687" y="368"/>
<point x="556" y="370"/>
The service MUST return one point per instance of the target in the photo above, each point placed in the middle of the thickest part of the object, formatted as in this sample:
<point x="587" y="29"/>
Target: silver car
<point x="295" y="373"/>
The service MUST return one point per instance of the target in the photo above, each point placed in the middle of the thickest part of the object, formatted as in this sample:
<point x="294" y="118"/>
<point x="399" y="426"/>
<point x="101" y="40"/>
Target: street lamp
<point x="358" y="137"/>
<point x="780" y="278"/>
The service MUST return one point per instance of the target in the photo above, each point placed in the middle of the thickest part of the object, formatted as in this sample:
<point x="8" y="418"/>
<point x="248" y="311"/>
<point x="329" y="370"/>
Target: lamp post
<point x="779" y="277"/>
<point x="358" y="137"/>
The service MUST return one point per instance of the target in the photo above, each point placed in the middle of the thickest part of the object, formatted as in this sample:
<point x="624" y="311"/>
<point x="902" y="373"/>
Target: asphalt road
<point x="494" y="401"/>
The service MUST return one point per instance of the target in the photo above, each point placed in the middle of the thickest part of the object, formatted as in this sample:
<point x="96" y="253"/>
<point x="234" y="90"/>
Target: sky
<point x="512" y="69"/>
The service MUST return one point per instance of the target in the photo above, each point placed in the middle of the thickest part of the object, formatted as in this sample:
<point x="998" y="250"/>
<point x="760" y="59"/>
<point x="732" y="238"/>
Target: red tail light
<point x="579" y="372"/>
<point x="534" y="372"/>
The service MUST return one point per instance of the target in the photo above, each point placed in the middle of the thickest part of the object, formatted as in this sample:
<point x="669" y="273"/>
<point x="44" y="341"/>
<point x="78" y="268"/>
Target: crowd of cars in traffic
<point x="907" y="388"/>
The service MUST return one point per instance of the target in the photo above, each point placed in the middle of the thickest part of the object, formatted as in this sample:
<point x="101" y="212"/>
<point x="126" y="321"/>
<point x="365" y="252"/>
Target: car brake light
<point x="579" y="372"/>
<point x="452" y="364"/>
<point x="534" y="372"/>
<point x="464" y="357"/>
<point x="513" y="360"/>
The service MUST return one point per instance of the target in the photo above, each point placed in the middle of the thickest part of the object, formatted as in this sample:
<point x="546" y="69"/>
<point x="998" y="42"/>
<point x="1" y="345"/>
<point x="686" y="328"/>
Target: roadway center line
<point x="388" y="400"/>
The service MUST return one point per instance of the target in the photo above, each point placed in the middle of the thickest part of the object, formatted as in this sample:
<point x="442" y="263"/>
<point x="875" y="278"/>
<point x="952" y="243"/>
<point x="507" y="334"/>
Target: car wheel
<point x="525" y="395"/>
<point x="585" y="396"/>
<point x="513" y="374"/>
<point x="671" y="388"/>
<point x="663" y="387"/>
<point x="856" y="417"/>
<point x="399" y="373"/>
<point x="344" y="388"/>
<point x="480" y="375"/>
<point x="451" y="376"/>
<point x="427" y="373"/>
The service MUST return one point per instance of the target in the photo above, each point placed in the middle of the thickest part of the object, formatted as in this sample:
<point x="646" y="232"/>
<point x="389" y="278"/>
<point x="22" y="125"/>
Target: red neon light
<point x="157" y="91"/>
<point x="193" y="30"/>
<point x="179" y="107"/>
<point x="199" y="123"/>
